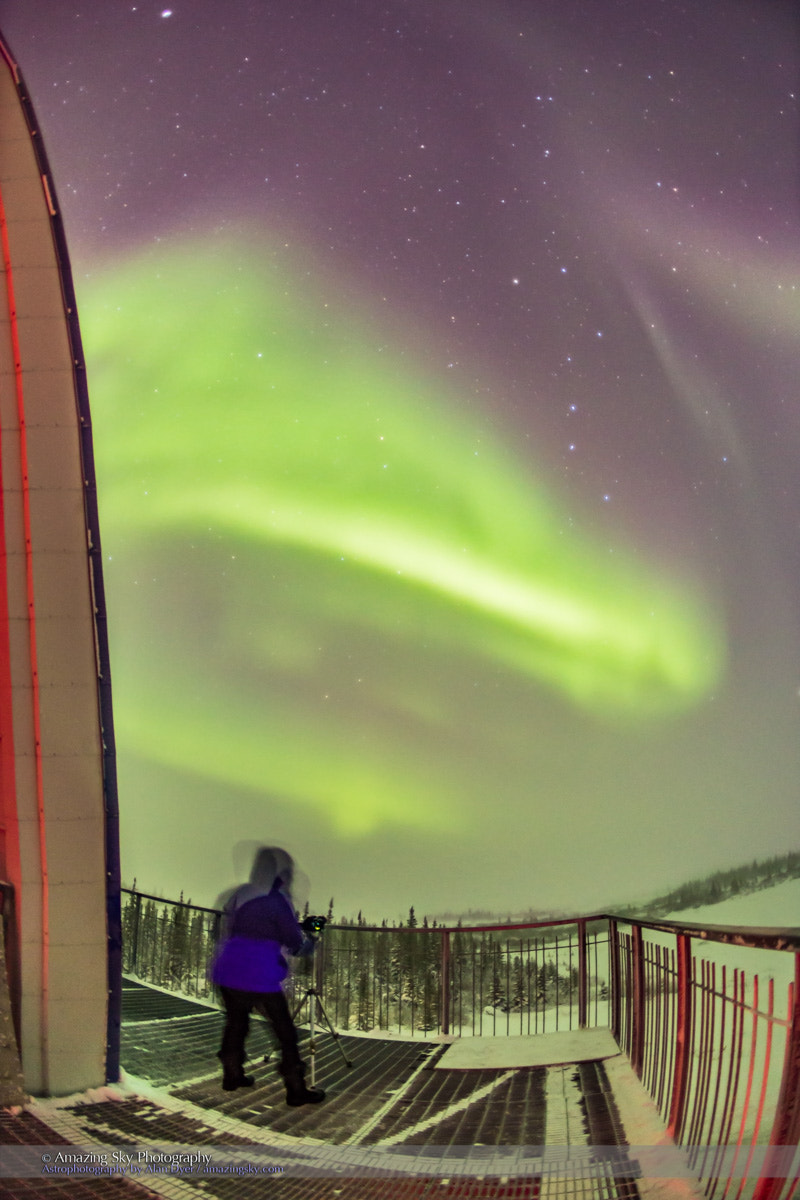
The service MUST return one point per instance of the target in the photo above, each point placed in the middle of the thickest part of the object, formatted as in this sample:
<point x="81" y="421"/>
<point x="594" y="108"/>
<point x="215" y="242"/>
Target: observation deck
<point x="594" y="1057"/>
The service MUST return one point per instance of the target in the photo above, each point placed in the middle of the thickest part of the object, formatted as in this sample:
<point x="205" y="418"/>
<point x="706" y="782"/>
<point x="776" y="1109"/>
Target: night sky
<point x="443" y="368"/>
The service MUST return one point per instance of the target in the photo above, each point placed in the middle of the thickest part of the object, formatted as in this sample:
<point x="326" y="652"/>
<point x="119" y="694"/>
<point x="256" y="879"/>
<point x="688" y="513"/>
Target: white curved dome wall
<point x="51" y="746"/>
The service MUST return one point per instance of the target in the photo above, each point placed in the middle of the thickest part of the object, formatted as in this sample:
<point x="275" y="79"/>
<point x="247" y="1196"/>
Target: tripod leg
<point x="315" y="1001"/>
<point x="312" y="1045"/>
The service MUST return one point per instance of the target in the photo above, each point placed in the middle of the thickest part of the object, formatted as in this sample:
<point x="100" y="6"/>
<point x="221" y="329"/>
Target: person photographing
<point x="249" y="968"/>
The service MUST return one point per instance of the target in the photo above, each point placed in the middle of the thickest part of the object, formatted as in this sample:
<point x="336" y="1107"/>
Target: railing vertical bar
<point x="615" y="997"/>
<point x="508" y="986"/>
<point x="458" y="991"/>
<point x="786" y="1124"/>
<point x="703" y="1035"/>
<point x="749" y="1086"/>
<point x="530" y="978"/>
<point x="716" y="1010"/>
<point x="657" y="1001"/>
<point x="737" y="1039"/>
<point x="582" y="980"/>
<point x="709" y="1040"/>
<point x="653" y="1021"/>
<point x="683" y="1032"/>
<point x="627" y="992"/>
<point x="137" y="914"/>
<point x="653" y="1010"/>
<point x="668" y="1018"/>
<point x="536" y="985"/>
<point x="662" y="1039"/>
<point x="649" y="1016"/>
<point x="703" y="1032"/>
<point x="764" y="1076"/>
<point x="570" y="987"/>
<point x="445" y="1013"/>
<point x="661" y="1042"/>
<point x="724" y="1119"/>
<point x="638" y="1004"/>
<point x="480" y="964"/>
<point x="712" y="1116"/>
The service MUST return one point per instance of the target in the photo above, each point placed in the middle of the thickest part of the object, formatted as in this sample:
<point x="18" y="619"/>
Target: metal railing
<point x="715" y="1048"/>
<point x="488" y="979"/>
<point x="168" y="943"/>
<point x="711" y="1043"/>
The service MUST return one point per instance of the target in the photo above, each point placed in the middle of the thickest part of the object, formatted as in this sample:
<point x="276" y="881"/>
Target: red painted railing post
<point x="583" y="990"/>
<point x="637" y="1006"/>
<point x="683" y="1037"/>
<point x="786" y="1126"/>
<point x="445" y="981"/>
<point x="615" y="998"/>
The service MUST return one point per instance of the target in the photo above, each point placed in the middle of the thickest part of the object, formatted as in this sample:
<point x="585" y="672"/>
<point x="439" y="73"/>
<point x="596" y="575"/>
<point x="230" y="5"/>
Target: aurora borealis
<point x="306" y="481"/>
<point x="442" y="370"/>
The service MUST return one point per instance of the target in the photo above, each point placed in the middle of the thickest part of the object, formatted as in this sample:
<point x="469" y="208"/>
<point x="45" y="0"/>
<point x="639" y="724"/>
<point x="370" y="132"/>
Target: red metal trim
<point x="26" y="510"/>
<point x="11" y="866"/>
<point x="12" y="66"/>
<point x="774" y="938"/>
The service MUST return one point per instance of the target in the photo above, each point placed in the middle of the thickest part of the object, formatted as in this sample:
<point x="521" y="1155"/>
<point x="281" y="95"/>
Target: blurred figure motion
<point x="258" y="924"/>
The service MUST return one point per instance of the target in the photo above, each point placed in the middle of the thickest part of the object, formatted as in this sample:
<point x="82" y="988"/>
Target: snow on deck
<point x="535" y="1050"/>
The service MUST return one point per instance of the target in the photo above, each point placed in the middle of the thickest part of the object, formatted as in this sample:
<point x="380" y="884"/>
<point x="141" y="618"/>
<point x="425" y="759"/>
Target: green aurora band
<point x="325" y="577"/>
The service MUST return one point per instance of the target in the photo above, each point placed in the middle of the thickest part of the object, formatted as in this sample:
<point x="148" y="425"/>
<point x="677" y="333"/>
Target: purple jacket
<point x="256" y="929"/>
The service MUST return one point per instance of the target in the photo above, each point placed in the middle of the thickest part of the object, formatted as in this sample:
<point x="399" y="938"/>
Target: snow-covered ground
<point x="777" y="906"/>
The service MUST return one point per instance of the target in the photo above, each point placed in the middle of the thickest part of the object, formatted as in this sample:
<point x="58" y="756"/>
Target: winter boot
<point x="233" y="1075"/>
<point x="296" y="1091"/>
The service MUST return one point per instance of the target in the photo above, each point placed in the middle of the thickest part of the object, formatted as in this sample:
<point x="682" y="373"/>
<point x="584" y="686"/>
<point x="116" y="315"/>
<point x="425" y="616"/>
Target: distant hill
<point x="720" y="886"/>
<point x="712" y="889"/>
<point x="775" y="907"/>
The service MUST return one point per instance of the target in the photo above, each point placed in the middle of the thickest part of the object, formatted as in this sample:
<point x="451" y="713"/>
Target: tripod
<point x="315" y="1007"/>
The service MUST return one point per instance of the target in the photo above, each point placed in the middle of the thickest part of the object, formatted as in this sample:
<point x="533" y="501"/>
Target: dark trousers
<point x="272" y="1005"/>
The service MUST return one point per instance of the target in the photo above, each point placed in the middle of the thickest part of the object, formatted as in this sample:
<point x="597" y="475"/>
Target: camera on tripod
<point x="313" y="926"/>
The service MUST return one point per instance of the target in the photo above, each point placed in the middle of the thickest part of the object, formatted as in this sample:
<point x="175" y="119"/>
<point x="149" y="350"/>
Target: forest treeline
<point x="387" y="975"/>
<point x="721" y="885"/>
<point x="749" y="877"/>
<point x="380" y="977"/>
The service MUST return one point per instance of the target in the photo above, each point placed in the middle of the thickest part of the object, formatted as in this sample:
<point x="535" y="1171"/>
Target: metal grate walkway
<point x="397" y="1093"/>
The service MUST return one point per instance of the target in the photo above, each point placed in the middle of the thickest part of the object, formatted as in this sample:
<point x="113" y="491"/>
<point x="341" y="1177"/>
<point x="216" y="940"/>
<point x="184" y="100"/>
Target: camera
<point x="313" y="926"/>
